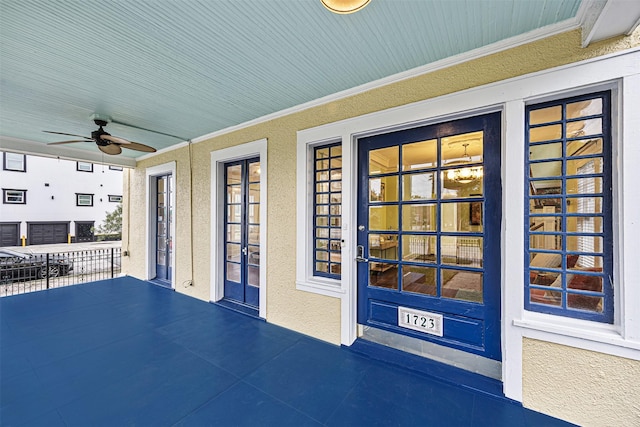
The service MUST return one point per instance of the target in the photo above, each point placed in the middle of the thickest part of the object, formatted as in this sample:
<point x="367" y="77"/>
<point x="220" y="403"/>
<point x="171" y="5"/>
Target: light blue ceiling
<point x="189" y="68"/>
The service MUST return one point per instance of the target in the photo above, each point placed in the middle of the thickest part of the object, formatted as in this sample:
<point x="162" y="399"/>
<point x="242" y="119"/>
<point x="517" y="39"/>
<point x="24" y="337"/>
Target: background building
<point x="46" y="200"/>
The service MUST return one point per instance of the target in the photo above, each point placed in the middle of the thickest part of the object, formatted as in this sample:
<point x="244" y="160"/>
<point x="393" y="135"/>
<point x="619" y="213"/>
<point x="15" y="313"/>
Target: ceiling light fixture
<point x="465" y="175"/>
<point x="344" y="6"/>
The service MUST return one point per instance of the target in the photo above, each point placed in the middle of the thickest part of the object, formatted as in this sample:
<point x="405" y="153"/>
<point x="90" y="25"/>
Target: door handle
<point x="360" y="254"/>
<point x="244" y="250"/>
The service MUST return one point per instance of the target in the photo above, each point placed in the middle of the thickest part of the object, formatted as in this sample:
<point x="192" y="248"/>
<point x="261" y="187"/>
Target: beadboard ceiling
<point x="193" y="67"/>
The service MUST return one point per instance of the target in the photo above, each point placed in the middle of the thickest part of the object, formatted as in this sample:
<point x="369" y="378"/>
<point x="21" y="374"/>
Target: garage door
<point x="9" y="233"/>
<point x="44" y="233"/>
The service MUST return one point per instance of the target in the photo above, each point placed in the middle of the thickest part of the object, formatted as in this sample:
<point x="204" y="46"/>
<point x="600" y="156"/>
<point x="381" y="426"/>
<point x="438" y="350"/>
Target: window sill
<point x="578" y="333"/>
<point x="322" y="286"/>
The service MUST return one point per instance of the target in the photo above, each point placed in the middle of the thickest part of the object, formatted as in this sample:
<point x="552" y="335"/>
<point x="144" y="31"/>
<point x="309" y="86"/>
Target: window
<point x="115" y="168"/>
<point x="84" y="199"/>
<point x="84" y="167"/>
<point x="117" y="199"/>
<point x="14" y="197"/>
<point x="327" y="204"/>
<point x="15" y="162"/>
<point x="570" y="246"/>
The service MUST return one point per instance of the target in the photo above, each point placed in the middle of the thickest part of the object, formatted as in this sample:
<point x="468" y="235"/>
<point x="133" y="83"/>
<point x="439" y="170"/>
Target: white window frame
<point x="22" y="194"/>
<point x="218" y="193"/>
<point x="84" y="167"/>
<point x="617" y="72"/>
<point x="80" y="195"/>
<point x="15" y="158"/>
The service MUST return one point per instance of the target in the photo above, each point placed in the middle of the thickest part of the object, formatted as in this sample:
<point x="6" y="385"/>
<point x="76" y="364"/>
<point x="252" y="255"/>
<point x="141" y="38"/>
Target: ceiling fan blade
<point x="68" y="142"/>
<point x="140" y="147"/>
<point x="110" y="149"/>
<point x="67" y="134"/>
<point x="116" y="139"/>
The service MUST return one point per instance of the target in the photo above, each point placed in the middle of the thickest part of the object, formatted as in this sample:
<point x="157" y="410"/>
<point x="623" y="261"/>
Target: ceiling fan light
<point x="344" y="6"/>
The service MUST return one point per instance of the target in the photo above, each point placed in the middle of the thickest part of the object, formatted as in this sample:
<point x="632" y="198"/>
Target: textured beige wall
<point x="286" y="305"/>
<point x="586" y="388"/>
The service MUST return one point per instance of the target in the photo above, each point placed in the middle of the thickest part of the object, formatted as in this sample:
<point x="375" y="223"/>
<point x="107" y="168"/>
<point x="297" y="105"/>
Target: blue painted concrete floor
<point x="126" y="352"/>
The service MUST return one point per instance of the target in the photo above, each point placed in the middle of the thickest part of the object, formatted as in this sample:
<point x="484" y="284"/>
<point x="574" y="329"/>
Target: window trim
<point x="5" y="162"/>
<point x="114" y="198"/>
<point x="5" y="194"/>
<point x="305" y="278"/>
<point x="607" y="316"/>
<point x="115" y="168"/>
<point x="80" y="169"/>
<point x="78" y="195"/>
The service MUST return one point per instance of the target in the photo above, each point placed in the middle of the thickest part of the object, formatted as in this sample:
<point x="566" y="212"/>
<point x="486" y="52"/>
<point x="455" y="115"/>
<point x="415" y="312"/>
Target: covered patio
<point x="127" y="352"/>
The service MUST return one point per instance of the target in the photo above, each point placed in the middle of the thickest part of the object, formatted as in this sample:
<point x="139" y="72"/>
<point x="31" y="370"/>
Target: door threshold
<point x="441" y="371"/>
<point x="161" y="283"/>
<point x="238" y="307"/>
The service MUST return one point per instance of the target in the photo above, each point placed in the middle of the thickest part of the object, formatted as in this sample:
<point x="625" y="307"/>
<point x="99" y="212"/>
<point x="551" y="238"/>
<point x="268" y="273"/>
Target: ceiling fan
<point x="107" y="143"/>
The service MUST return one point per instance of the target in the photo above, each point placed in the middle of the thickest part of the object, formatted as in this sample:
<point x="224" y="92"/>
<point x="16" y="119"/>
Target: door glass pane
<point x="253" y="276"/>
<point x="234" y="194"/>
<point x="254" y="172"/>
<point x="383" y="218"/>
<point x="383" y="246"/>
<point x="420" y="155"/>
<point x="463" y="182"/>
<point x="234" y="213"/>
<point x="254" y="234"/>
<point x="419" y="186"/>
<point x="233" y="233"/>
<point x="383" y="275"/>
<point x="233" y="252"/>
<point x="419" y="217"/>
<point x="462" y="149"/>
<point x="421" y="280"/>
<point x="461" y="285"/>
<point x="160" y="258"/>
<point x="234" y="174"/>
<point x="233" y="272"/>
<point x="464" y="216"/>
<point x="383" y="160"/>
<point x="254" y="255"/>
<point x="419" y="248"/>
<point x="383" y="189"/>
<point x="458" y="250"/>
<point x="254" y="213"/>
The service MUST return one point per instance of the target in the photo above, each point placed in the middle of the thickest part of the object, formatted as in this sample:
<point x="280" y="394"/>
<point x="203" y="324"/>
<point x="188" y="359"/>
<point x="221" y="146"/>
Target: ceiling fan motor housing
<point x="97" y="135"/>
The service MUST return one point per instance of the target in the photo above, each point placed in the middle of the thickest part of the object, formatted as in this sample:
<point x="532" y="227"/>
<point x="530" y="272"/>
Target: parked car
<point x="18" y="266"/>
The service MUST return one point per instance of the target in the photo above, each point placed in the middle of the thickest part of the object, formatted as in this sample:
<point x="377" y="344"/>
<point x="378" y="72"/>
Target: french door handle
<point x="244" y="250"/>
<point x="360" y="254"/>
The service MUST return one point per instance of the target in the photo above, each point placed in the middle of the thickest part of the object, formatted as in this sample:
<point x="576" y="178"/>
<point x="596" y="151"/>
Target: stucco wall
<point x="313" y="314"/>
<point x="586" y="388"/>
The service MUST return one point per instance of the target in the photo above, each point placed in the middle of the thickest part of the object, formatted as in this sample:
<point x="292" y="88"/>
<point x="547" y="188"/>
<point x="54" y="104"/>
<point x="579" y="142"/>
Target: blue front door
<point x="164" y="239"/>
<point x="429" y="217"/>
<point x="242" y="232"/>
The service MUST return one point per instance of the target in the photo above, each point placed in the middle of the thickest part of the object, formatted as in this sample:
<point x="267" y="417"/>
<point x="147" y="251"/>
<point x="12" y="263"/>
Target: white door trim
<point x="218" y="159"/>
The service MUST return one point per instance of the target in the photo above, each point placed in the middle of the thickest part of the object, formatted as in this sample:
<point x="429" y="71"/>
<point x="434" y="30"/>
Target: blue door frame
<point x="241" y="225"/>
<point x="164" y="239"/>
<point x="470" y="326"/>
